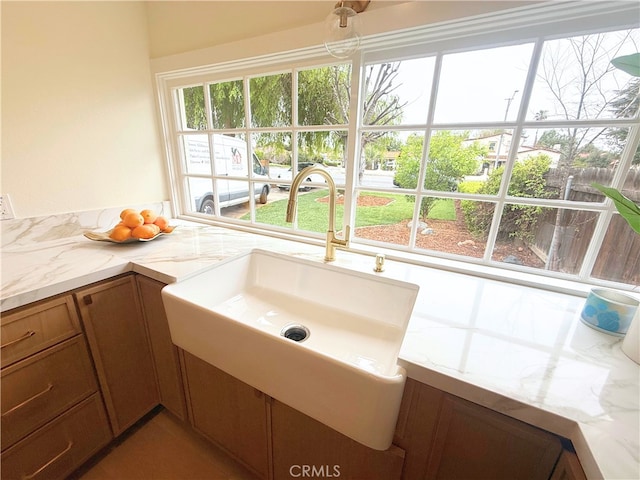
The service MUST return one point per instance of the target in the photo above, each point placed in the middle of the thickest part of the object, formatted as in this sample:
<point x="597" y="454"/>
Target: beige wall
<point x="79" y="128"/>
<point x="78" y="115"/>
<point x="185" y="34"/>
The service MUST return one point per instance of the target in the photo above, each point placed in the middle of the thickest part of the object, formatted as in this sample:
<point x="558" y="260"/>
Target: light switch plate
<point x="6" y="209"/>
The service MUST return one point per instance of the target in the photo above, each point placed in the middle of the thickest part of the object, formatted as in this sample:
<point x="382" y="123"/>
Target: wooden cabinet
<point x="447" y="437"/>
<point x="304" y="447"/>
<point x="165" y="353"/>
<point x="61" y="446"/>
<point x="229" y="412"/>
<point x="114" y="323"/>
<point x="475" y="442"/>
<point x="416" y="426"/>
<point x="35" y="327"/>
<point x="43" y="386"/>
<point x="53" y="418"/>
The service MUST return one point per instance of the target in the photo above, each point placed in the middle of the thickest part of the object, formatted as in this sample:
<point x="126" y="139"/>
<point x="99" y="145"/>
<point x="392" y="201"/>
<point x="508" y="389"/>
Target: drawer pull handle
<point x="34" y="474"/>
<point x="31" y="399"/>
<point x="29" y="334"/>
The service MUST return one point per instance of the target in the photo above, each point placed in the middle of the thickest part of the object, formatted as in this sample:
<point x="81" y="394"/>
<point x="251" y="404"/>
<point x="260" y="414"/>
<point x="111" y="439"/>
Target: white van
<point x="231" y="172"/>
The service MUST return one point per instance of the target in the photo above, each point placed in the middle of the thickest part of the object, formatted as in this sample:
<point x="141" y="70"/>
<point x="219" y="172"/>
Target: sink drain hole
<point x="297" y="333"/>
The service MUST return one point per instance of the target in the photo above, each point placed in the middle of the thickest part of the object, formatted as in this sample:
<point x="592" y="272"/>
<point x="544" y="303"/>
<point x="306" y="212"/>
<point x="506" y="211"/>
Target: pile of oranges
<point x="141" y="225"/>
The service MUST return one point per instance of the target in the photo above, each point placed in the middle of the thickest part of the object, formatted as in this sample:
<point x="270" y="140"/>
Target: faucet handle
<point x="379" y="263"/>
<point x="347" y="235"/>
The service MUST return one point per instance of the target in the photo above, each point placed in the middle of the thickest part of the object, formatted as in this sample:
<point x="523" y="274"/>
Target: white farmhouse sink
<point x="344" y="373"/>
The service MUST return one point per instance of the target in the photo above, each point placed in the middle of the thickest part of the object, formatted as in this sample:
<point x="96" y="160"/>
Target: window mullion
<point x="354" y="144"/>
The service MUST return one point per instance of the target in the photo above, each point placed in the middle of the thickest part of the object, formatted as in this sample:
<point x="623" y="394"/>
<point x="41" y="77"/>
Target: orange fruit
<point x="133" y="219"/>
<point x="149" y="215"/>
<point x="124" y="212"/>
<point x="146" y="231"/>
<point x="162" y="222"/>
<point x="120" y="233"/>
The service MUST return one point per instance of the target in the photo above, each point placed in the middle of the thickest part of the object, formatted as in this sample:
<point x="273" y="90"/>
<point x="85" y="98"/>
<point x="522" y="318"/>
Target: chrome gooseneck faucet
<point x="332" y="241"/>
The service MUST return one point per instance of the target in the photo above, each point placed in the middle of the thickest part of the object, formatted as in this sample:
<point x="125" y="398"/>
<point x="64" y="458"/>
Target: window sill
<point x="506" y="274"/>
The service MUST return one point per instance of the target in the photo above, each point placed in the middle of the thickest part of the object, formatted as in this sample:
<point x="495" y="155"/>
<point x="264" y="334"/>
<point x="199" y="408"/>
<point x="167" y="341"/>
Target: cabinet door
<point x="304" y="447"/>
<point x="165" y="353"/>
<point x="229" y="412"/>
<point x="416" y="427"/>
<point x="117" y="336"/>
<point x="472" y="442"/>
<point x="568" y="468"/>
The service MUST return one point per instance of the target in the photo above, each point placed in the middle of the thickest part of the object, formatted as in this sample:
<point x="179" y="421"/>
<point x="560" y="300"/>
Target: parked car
<point x="304" y="186"/>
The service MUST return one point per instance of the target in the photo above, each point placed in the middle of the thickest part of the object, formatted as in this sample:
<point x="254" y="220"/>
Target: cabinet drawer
<point x="43" y="386"/>
<point x="61" y="446"/>
<point x="28" y="330"/>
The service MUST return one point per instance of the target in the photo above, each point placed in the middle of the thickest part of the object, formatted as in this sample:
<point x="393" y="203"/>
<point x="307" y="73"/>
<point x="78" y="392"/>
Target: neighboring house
<point x="498" y="146"/>
<point x="389" y="160"/>
<point x="526" y="152"/>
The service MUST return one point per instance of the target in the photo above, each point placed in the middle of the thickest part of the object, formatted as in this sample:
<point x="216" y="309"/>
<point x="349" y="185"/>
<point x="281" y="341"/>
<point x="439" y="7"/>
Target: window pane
<point x="446" y="227"/>
<point x="619" y="256"/>
<point x="234" y="197"/>
<point x="191" y="111"/>
<point x="451" y="158"/>
<point x="200" y="193"/>
<point x="408" y="159"/>
<point x="575" y="79"/>
<point x="323" y="95"/>
<point x="492" y="147"/>
<point x="313" y="211"/>
<point x="324" y="148"/>
<point x="196" y="156"/>
<point x="384" y="217"/>
<point x="270" y="99"/>
<point x="483" y="85"/>
<point x="558" y="237"/>
<point x="398" y="92"/>
<point x="227" y="104"/>
<point x="380" y="155"/>
<point x="272" y="213"/>
<point x="272" y="148"/>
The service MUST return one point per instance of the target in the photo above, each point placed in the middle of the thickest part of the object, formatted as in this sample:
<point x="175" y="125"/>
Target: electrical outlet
<point x="6" y="209"/>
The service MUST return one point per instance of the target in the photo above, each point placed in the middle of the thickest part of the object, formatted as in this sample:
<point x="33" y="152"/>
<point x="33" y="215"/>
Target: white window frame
<point x="531" y="23"/>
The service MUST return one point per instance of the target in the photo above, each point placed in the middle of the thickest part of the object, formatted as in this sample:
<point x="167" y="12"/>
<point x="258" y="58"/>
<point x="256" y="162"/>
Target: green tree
<point x="447" y="163"/>
<point x="324" y="96"/>
<point x="628" y="101"/>
<point x="194" y="111"/>
<point x="227" y="104"/>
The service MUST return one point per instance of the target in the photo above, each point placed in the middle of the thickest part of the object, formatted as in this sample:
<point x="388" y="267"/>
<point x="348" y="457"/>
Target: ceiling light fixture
<point x="342" y="28"/>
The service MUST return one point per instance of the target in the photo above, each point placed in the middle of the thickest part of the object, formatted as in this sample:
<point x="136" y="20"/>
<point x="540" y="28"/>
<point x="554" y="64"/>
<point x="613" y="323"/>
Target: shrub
<point x="518" y="221"/>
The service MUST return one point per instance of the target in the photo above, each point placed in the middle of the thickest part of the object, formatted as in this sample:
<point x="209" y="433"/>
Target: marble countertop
<point x="518" y="350"/>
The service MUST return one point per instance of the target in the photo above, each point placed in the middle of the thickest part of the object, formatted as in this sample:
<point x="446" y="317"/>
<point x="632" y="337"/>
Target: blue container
<point x="609" y="311"/>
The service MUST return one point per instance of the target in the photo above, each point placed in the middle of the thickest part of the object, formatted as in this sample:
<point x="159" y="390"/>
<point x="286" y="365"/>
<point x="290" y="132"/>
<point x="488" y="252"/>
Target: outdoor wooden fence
<point x="562" y="237"/>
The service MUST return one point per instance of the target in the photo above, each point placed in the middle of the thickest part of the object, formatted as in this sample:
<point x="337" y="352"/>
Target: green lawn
<point x="313" y="215"/>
